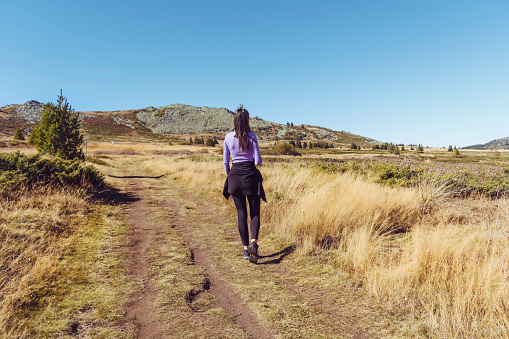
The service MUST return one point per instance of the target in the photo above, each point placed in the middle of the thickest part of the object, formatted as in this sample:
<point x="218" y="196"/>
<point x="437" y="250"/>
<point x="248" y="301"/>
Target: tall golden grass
<point x="455" y="270"/>
<point x="35" y="229"/>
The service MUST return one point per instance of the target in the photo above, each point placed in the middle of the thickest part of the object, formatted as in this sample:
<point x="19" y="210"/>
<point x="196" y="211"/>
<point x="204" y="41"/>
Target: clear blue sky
<point x="430" y="72"/>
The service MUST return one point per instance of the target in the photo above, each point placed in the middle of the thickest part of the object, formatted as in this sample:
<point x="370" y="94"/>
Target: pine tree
<point x="353" y="146"/>
<point x="18" y="135"/>
<point x="58" y="133"/>
<point x="449" y="149"/>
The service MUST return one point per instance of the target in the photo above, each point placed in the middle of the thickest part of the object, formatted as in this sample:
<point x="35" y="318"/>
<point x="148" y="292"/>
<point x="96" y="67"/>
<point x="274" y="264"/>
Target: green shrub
<point x="455" y="183"/>
<point x="286" y="149"/>
<point x="210" y="142"/>
<point x="18" y="135"/>
<point x="18" y="169"/>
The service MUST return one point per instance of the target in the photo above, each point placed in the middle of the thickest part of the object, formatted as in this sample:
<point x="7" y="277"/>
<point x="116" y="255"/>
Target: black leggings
<point x="254" y="209"/>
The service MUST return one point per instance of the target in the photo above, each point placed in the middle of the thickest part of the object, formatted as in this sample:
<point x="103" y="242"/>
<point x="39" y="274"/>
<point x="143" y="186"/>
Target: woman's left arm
<point x="226" y="158"/>
<point x="256" y="152"/>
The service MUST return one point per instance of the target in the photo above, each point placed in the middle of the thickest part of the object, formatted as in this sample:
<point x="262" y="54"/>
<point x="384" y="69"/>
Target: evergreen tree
<point x="456" y="152"/>
<point x="18" y="135"/>
<point x="402" y="148"/>
<point x="58" y="132"/>
<point x="190" y="140"/>
<point x="449" y="149"/>
<point x="298" y="144"/>
<point x="353" y="146"/>
<point x="304" y="145"/>
<point x="396" y="150"/>
<point x="420" y="149"/>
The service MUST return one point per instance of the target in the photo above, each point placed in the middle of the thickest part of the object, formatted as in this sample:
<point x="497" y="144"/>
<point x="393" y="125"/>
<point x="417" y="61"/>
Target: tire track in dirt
<point x="224" y="294"/>
<point x="142" y="308"/>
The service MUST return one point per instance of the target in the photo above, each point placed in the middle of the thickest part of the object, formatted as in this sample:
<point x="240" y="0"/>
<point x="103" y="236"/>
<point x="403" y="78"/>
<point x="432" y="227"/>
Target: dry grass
<point x="458" y="274"/>
<point x="34" y="229"/>
<point x="48" y="263"/>
<point x="448" y="263"/>
<point x="93" y="147"/>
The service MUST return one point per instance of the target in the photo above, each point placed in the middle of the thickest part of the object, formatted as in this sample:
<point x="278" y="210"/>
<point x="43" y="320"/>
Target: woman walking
<point x="244" y="179"/>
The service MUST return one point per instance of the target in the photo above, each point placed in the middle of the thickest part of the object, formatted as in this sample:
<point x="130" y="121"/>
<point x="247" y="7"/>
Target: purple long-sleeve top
<point x="231" y="147"/>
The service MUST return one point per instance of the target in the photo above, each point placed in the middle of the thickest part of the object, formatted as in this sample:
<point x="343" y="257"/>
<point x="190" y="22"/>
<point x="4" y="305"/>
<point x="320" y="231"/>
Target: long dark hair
<point x="242" y="129"/>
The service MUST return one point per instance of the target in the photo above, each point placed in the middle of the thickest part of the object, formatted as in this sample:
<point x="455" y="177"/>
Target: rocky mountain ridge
<point x="502" y="143"/>
<point x="180" y="119"/>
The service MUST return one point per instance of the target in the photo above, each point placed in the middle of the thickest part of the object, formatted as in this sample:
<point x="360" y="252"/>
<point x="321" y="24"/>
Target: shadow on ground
<point x="113" y="196"/>
<point x="282" y="254"/>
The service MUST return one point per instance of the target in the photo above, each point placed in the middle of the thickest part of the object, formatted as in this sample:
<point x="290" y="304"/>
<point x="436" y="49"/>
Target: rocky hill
<point x="502" y="143"/>
<point x="174" y="119"/>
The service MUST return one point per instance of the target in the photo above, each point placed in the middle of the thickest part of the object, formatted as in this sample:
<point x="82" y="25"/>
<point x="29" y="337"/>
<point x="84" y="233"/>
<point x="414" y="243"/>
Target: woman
<point x="244" y="179"/>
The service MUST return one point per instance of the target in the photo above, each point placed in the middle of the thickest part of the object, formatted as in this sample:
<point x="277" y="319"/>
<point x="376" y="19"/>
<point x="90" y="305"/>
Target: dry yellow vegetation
<point x="53" y="279"/>
<point x="447" y="261"/>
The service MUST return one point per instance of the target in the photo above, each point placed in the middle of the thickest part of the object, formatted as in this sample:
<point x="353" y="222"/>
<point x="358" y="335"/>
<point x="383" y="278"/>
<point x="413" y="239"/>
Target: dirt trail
<point x="142" y="308"/>
<point x="224" y="294"/>
<point x="142" y="317"/>
<point x="279" y="297"/>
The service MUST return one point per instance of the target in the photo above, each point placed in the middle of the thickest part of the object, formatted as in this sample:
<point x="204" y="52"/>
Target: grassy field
<point x="415" y="247"/>
<point x="410" y="241"/>
<point x="62" y="271"/>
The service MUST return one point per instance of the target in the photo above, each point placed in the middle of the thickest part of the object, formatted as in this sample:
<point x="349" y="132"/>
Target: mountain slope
<point x="502" y="143"/>
<point x="175" y="119"/>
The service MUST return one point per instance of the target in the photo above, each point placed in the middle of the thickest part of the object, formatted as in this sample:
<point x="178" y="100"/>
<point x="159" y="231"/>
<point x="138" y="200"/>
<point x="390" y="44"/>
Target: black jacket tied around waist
<point x="244" y="178"/>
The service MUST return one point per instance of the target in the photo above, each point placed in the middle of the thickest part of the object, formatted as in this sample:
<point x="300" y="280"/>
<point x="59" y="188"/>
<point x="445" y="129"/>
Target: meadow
<point x="428" y="247"/>
<point x="425" y="234"/>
